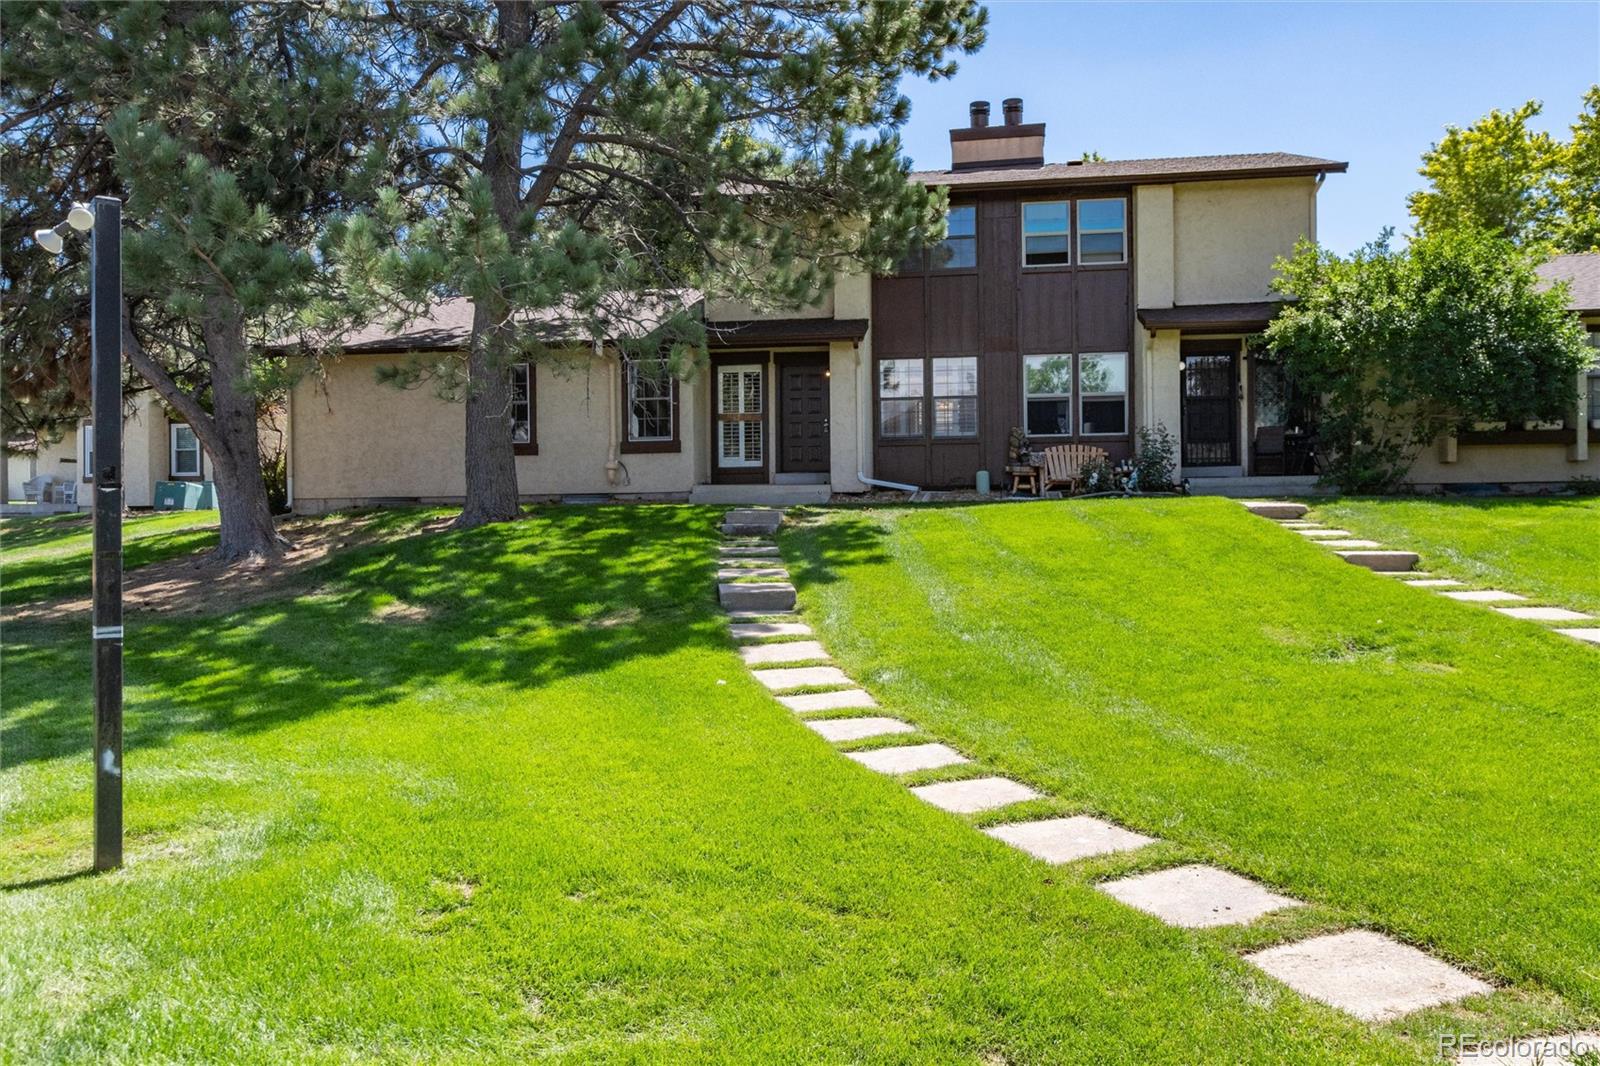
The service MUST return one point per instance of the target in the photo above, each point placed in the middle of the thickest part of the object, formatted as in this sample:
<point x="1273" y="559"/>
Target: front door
<point x="1211" y="408"/>
<point x="803" y="401"/>
<point x="740" y="425"/>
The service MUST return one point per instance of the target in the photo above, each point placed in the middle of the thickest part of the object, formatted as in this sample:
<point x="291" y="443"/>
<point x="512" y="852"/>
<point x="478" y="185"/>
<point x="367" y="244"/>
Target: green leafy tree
<point x="582" y="159"/>
<point x="234" y="132"/>
<point x="1402" y="346"/>
<point x="1501" y="176"/>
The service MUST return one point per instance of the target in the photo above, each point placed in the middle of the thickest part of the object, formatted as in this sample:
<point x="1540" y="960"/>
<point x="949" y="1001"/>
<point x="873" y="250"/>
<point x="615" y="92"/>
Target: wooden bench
<point x="1063" y="465"/>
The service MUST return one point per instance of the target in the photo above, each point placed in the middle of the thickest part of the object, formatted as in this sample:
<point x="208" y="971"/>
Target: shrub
<point x="1155" y="464"/>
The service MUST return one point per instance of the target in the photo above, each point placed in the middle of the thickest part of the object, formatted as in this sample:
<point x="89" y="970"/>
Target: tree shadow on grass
<point x="564" y="592"/>
<point x="68" y="574"/>
<point x="831" y="542"/>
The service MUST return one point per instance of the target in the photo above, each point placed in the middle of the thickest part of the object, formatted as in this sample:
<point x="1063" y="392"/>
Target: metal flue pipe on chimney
<point x="1013" y="110"/>
<point x="979" y="110"/>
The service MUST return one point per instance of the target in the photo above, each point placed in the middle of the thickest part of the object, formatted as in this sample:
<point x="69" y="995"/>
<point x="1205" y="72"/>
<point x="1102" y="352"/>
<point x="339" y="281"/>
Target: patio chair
<point x="1064" y="463"/>
<point x="1271" y="455"/>
<point x="67" y="492"/>
<point x="33" y="490"/>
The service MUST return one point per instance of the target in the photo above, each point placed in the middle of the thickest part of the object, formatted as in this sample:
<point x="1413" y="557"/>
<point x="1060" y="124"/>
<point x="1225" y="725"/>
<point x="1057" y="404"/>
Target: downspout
<point x="864" y="389"/>
<point x="288" y="450"/>
<point x="612" y="388"/>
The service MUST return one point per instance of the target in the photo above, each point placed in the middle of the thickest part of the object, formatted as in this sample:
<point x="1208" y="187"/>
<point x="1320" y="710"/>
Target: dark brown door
<point x="1211" y="409"/>
<point x="803" y="425"/>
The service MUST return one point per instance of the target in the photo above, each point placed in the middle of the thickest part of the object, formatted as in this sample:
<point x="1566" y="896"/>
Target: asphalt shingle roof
<point x="1581" y="272"/>
<point x="1140" y="171"/>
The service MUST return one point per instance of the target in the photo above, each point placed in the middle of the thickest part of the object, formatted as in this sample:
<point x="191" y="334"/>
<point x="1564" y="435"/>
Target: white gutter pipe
<point x="885" y="484"/>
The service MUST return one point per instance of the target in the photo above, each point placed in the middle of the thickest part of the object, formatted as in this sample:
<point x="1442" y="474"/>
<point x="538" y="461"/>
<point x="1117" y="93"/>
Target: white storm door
<point x="740" y="420"/>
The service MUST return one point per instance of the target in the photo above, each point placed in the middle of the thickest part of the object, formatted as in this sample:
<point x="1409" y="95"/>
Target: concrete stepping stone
<point x="1544" y="614"/>
<point x="1366" y="974"/>
<point x="750" y="549"/>
<point x="765" y="596"/>
<point x="1561" y="1049"/>
<point x="1386" y="561"/>
<point x="1197" y="897"/>
<point x="1059" y="840"/>
<point x="1588" y="634"/>
<point x="1323" y="532"/>
<point x="975" y="794"/>
<point x="839" y="730"/>
<point x="1433" y="583"/>
<point x="748" y="523"/>
<point x="1298" y="523"/>
<point x="801" y="677"/>
<point x="1483" y="596"/>
<point x="757" y="630"/>
<point x="844" y="699"/>
<point x="756" y="616"/>
<point x="1347" y="543"/>
<point x="1274" y="508"/>
<point x="794" y="651"/>
<point x="908" y="759"/>
<point x="733" y="573"/>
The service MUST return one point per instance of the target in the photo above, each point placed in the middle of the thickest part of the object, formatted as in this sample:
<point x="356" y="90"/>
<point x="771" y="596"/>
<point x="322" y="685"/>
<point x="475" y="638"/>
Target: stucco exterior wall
<point x="1157" y="379"/>
<point x="1154" y="245"/>
<point x="1226" y="235"/>
<point x="1504" y="464"/>
<point x="356" y="440"/>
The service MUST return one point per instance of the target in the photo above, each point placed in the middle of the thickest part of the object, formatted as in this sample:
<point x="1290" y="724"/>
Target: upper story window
<point x="959" y="249"/>
<point x="1102" y="231"/>
<point x="1047" y="233"/>
<point x="184" y="451"/>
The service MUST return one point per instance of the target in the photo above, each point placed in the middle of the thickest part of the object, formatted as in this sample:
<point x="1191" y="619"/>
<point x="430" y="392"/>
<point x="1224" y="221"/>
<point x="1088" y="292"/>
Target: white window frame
<point x="172" y="452"/>
<point x="931" y="387"/>
<point x="523" y="426"/>
<point x="1022" y="225"/>
<point x="86" y="451"/>
<point x="671" y="397"/>
<point x="921" y="396"/>
<point x="1069" y="395"/>
<point x="1083" y="397"/>
<point x="1082" y="232"/>
<point x="1591" y="401"/>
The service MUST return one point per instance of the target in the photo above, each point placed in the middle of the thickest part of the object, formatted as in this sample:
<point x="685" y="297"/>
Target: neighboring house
<point x="1533" y="455"/>
<point x="154" y="448"/>
<point x="1082" y="300"/>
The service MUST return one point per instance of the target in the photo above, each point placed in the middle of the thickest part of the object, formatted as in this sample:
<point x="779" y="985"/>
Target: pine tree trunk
<point x="248" y="532"/>
<point x="491" y="467"/>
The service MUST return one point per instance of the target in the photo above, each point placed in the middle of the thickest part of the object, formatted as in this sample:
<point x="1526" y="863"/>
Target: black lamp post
<point x="104" y="220"/>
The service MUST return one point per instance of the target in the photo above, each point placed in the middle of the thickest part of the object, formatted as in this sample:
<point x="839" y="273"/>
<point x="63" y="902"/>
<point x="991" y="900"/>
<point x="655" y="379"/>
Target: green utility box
<point x="185" y="496"/>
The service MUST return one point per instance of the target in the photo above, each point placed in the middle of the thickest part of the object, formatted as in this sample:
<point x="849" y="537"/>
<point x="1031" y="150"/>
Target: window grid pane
<point x="649" y="401"/>
<point x="955" y="397"/>
<point x="521" y="407"/>
<point x="185" y="452"/>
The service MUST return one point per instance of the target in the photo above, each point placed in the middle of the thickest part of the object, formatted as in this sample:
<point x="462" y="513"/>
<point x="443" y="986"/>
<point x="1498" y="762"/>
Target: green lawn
<point x="1548" y="549"/>
<point x="48" y="558"/>
<point x="1404" y="761"/>
<point x="510" y="794"/>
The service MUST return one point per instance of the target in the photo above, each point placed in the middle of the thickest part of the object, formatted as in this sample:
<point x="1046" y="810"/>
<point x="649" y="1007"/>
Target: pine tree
<point x="234" y="132"/>
<point x="579" y="158"/>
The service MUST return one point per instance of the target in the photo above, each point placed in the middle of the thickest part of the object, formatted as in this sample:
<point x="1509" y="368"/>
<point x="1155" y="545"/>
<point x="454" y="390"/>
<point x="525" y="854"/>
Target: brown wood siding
<point x="1000" y="312"/>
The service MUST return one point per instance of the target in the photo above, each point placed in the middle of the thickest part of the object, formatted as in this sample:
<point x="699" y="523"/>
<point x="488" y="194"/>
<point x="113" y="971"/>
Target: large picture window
<point x="900" y="397"/>
<point x="1102" y="231"/>
<point x="183" y="451"/>
<point x="521" y="381"/>
<point x="651" y="402"/>
<point x="1103" y="393"/>
<point x="1047" y="394"/>
<point x="955" y="397"/>
<point x="1047" y="233"/>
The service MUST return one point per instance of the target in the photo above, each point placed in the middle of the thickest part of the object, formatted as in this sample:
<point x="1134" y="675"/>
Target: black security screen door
<point x="1211" y="409"/>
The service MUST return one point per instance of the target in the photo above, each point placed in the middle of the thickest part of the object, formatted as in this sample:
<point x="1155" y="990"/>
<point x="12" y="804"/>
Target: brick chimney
<point x="980" y="146"/>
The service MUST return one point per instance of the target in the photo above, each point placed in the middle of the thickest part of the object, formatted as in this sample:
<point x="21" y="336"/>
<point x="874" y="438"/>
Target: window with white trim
<point x="1103" y="393"/>
<point x="1047" y="394"/>
<point x="1594" y="399"/>
<point x="651" y="394"/>
<point x="900" y="397"/>
<point x="1102" y="231"/>
<point x="183" y="451"/>
<point x="86" y="451"/>
<point x="521" y="381"/>
<point x="955" y="396"/>
<point x="1047" y="233"/>
<point x="959" y="249"/>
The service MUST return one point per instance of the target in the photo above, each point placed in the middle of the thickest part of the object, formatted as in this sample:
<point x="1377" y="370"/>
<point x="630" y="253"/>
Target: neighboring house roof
<point x="1222" y="318"/>
<point x="1581" y="272"/>
<point x="785" y="330"/>
<point x="447" y="324"/>
<point x="1139" y="171"/>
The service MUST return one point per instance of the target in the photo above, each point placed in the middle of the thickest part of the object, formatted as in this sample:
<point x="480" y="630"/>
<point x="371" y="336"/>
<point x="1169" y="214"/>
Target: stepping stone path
<point x="1367" y="974"/>
<point x="1360" y="972"/>
<point x="1197" y="897"/>
<point x="1400" y="564"/>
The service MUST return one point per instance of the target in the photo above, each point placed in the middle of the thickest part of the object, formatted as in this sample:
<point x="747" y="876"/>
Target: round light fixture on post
<point x="49" y="240"/>
<point x="81" y="218"/>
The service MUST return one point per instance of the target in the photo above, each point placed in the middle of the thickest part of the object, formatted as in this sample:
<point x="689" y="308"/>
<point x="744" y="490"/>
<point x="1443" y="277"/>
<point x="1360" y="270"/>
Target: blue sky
<point x="1373" y="84"/>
